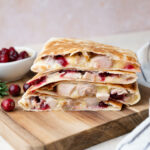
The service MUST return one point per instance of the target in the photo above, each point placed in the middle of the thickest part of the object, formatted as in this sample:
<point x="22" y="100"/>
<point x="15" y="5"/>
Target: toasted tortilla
<point x="69" y="47"/>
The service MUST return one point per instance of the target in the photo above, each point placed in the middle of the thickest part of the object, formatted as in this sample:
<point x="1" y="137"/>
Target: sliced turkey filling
<point x="85" y="90"/>
<point x="85" y="60"/>
<point x="116" y="77"/>
<point x="106" y="77"/>
<point x="45" y="102"/>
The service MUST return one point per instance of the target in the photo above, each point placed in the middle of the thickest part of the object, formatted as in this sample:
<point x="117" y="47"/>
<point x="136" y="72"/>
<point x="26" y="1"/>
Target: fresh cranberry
<point x="13" y="54"/>
<point x="26" y="86"/>
<point x="102" y="104"/>
<point x="4" y="58"/>
<point x="38" y="81"/>
<point x="115" y="96"/>
<point x="61" y="60"/>
<point x="5" y="51"/>
<point x="44" y="106"/>
<point x="14" y="90"/>
<point x="8" y="104"/>
<point x="129" y="66"/>
<point x="23" y="55"/>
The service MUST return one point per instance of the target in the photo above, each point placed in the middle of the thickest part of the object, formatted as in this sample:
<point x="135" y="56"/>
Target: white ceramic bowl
<point x="15" y="70"/>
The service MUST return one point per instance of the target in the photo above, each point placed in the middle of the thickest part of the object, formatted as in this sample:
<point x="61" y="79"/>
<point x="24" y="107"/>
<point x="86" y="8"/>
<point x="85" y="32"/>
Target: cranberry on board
<point x="14" y="90"/>
<point x="8" y="105"/>
<point x="13" y="54"/>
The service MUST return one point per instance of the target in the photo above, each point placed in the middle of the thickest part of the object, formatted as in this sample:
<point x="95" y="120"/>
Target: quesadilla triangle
<point x="59" y="53"/>
<point x="52" y="93"/>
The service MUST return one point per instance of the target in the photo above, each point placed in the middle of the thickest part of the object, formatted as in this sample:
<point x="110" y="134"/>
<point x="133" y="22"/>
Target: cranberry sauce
<point x="102" y="105"/>
<point x="129" y="67"/>
<point x="38" y="81"/>
<point x="61" y="60"/>
<point x="115" y="96"/>
<point x="44" y="106"/>
<point x="103" y="75"/>
<point x="64" y="72"/>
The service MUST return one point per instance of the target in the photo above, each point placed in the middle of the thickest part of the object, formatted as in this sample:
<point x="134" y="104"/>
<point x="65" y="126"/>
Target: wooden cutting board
<point x="69" y="130"/>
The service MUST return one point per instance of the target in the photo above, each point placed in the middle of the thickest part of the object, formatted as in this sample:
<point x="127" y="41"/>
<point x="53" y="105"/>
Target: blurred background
<point x="24" y="22"/>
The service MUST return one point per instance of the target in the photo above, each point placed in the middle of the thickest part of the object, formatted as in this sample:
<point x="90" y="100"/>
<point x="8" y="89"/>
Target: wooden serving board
<point x="69" y="130"/>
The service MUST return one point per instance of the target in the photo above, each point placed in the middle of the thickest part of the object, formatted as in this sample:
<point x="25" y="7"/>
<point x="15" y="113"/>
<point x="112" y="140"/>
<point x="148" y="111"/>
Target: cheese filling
<point x="54" y="103"/>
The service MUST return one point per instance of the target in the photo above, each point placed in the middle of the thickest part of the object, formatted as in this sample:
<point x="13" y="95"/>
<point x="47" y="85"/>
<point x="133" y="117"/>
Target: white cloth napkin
<point x="139" y="138"/>
<point x="143" y="55"/>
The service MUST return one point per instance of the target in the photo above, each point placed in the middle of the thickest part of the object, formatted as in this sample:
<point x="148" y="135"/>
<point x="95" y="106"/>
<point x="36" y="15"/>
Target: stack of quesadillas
<point x="80" y="75"/>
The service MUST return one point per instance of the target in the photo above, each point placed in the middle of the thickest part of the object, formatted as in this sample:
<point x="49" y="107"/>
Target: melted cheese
<point x="103" y="93"/>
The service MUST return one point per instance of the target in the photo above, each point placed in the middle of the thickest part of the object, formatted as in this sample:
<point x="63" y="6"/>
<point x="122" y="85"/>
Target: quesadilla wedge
<point x="59" y="94"/>
<point x="60" y="53"/>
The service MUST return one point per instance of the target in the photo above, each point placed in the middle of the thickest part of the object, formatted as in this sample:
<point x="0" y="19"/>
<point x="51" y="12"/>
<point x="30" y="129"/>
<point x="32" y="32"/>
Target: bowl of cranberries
<point x="15" y="62"/>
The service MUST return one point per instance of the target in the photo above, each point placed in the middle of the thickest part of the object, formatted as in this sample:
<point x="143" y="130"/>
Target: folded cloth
<point x="138" y="139"/>
<point x="144" y="58"/>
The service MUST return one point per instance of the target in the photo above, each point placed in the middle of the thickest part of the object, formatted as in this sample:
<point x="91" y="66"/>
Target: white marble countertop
<point x="132" y="41"/>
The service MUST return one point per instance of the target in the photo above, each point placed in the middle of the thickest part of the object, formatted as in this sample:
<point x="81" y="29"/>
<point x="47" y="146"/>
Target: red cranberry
<point x="14" y="90"/>
<point x="26" y="86"/>
<point x="102" y="104"/>
<point x="4" y="58"/>
<point x="8" y="104"/>
<point x="61" y="60"/>
<point x="115" y="96"/>
<point x="44" y="106"/>
<point x="129" y="66"/>
<point x="23" y="55"/>
<point x="13" y="54"/>
<point x="5" y="51"/>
